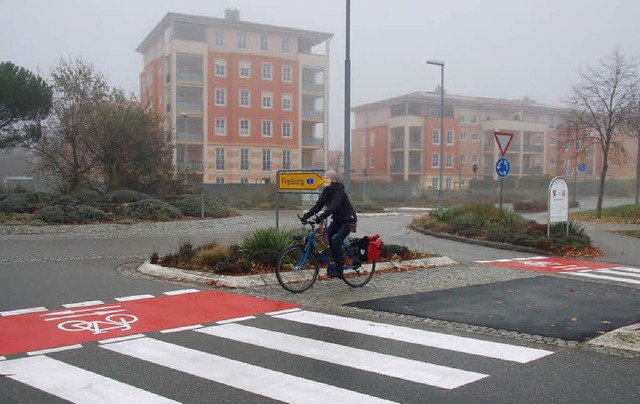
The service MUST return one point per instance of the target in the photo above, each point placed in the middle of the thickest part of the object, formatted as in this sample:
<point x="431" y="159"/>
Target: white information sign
<point x="558" y="200"/>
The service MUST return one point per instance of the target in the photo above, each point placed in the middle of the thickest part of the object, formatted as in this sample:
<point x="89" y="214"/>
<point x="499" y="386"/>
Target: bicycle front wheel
<point x="295" y="271"/>
<point x="357" y="277"/>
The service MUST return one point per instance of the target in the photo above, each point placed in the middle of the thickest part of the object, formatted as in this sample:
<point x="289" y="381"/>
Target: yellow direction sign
<point x="299" y="181"/>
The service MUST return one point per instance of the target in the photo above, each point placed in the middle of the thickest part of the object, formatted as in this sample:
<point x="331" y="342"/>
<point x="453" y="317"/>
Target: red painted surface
<point x="36" y="331"/>
<point x="551" y="264"/>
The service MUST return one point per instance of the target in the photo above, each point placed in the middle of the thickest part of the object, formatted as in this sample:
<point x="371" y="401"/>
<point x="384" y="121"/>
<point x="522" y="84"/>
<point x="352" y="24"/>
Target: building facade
<point x="398" y="139"/>
<point x="240" y="100"/>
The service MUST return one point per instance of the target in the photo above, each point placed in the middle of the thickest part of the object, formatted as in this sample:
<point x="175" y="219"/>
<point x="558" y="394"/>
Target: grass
<point x="626" y="214"/>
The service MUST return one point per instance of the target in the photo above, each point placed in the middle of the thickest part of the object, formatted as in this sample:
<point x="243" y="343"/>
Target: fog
<point x="491" y="48"/>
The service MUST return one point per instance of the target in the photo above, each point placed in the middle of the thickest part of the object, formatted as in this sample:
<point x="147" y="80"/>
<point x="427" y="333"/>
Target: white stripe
<point x="408" y="369"/>
<point x="118" y="339"/>
<point x="51" y="350"/>
<point x="181" y="292"/>
<point x="427" y="338"/>
<point x="178" y="329"/>
<point x="258" y="380"/>
<point x="627" y="269"/>
<point x="621" y="273"/>
<point x="2" y="358"/>
<point x="611" y="278"/>
<point x="235" y="320"/>
<point x="83" y="304"/>
<point x="22" y="311"/>
<point x="136" y="297"/>
<point x="275" y="313"/>
<point x="74" y="384"/>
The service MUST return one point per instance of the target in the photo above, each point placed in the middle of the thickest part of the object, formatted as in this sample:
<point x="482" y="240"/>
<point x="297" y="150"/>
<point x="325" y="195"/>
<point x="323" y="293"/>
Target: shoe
<point x="332" y="273"/>
<point x="339" y="272"/>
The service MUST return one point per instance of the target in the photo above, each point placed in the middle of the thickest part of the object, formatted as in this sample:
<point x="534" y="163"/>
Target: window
<point x="449" y="137"/>
<point x="287" y="74"/>
<point x="245" y="70"/>
<point x="286" y="159"/>
<point x="219" y="180"/>
<point x="286" y="45"/>
<point x="245" y="98"/>
<point x="244" y="180"/>
<point x="372" y="161"/>
<point x="221" y="126"/>
<point x="538" y="140"/>
<point x="287" y="102"/>
<point x="242" y="40"/>
<point x="267" y="100"/>
<point x="434" y="183"/>
<point x="267" y="71"/>
<point x="435" y="160"/>
<point x="372" y="139"/>
<point x="436" y="136"/>
<point x="266" y="160"/>
<point x="219" y="38"/>
<point x="552" y="162"/>
<point x="463" y="136"/>
<point x="221" y="96"/>
<point x="475" y="159"/>
<point x="463" y="159"/>
<point x="245" y="127"/>
<point x="219" y="159"/>
<point x="474" y="119"/>
<point x="449" y="160"/>
<point x="475" y="137"/>
<point x="449" y="183"/>
<point x="552" y="141"/>
<point x="221" y="68"/>
<point x="264" y="42"/>
<point x="286" y="130"/>
<point x="267" y="128"/>
<point x="244" y="159"/>
<point x="461" y="118"/>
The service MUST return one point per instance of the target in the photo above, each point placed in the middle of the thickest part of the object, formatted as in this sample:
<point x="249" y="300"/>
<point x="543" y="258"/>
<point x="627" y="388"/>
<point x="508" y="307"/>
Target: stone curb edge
<point x="176" y="274"/>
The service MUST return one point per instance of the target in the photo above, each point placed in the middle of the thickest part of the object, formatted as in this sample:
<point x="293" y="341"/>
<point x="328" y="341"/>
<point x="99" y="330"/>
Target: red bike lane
<point x="58" y="328"/>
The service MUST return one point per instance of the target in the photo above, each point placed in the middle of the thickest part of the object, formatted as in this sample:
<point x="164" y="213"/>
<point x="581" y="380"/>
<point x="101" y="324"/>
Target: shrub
<point x="264" y="245"/>
<point x="152" y="209"/>
<point x="22" y="203"/>
<point x="191" y="205"/>
<point x="368" y="207"/>
<point x="124" y="196"/>
<point x="213" y="254"/>
<point x="67" y="213"/>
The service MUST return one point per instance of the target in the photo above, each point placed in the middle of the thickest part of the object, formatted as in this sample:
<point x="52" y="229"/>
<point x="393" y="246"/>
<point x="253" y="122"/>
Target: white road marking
<point x="178" y="329"/>
<point x="421" y="337"/>
<point x="83" y="304"/>
<point x="235" y="320"/>
<point x="136" y="297"/>
<point x="22" y="311"/>
<point x="258" y="380"/>
<point x="408" y="369"/>
<point x="275" y="313"/>
<point x="610" y="278"/>
<point x="51" y="350"/>
<point x="181" y="292"/>
<point x="74" y="384"/>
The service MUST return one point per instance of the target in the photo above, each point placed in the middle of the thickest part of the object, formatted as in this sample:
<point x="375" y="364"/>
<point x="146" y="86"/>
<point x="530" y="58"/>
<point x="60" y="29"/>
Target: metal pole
<point x="441" y="135"/>
<point x="186" y="145"/>
<point x="347" y="104"/>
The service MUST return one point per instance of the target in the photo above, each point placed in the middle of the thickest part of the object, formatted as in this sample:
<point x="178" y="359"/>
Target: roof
<point x="314" y="37"/>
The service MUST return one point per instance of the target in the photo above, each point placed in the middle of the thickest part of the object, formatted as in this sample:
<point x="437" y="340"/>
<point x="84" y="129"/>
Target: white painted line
<point x="178" y="329"/>
<point x="235" y="320"/>
<point x="529" y="258"/>
<point x="136" y="297"/>
<point x="610" y="278"/>
<point x="74" y="384"/>
<point x="627" y="269"/>
<point x="421" y="337"/>
<point x="83" y="304"/>
<point x="51" y="350"/>
<point x="181" y="292"/>
<point x="621" y="273"/>
<point x="2" y="358"/>
<point x="275" y="313"/>
<point x="118" y="339"/>
<point x="408" y="369"/>
<point x="21" y="311"/>
<point x="255" y="379"/>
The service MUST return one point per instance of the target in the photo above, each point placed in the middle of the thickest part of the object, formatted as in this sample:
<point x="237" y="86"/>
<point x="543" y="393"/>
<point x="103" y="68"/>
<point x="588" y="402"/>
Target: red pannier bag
<point x="374" y="248"/>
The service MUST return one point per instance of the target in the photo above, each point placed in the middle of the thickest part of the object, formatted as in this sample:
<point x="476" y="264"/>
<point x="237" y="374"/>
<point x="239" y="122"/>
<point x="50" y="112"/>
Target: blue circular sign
<point x="582" y="167"/>
<point x="503" y="167"/>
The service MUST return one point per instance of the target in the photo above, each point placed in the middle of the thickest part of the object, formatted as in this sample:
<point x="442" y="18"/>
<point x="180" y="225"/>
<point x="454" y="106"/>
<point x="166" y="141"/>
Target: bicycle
<point x="298" y="265"/>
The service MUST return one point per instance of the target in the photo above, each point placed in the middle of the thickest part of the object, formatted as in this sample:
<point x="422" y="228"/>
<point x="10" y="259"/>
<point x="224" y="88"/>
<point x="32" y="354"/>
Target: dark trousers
<point x="337" y="233"/>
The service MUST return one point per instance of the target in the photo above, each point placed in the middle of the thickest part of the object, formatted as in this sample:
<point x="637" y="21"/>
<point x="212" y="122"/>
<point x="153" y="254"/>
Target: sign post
<point x="502" y="165"/>
<point x="296" y="181"/>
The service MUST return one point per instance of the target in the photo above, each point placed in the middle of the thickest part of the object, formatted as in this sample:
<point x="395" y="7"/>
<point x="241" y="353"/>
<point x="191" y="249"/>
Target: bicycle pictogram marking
<point x="112" y="319"/>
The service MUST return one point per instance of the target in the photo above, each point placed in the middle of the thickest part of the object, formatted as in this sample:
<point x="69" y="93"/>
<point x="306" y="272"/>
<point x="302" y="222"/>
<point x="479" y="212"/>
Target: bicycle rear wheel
<point x="359" y="276"/>
<point x="295" y="272"/>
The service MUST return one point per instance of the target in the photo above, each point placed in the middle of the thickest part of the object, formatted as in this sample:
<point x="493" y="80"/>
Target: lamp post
<point x="441" y="64"/>
<point x="186" y="144"/>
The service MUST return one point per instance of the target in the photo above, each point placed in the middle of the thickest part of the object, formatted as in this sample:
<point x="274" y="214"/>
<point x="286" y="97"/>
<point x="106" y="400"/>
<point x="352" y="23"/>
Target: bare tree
<point x="632" y="127"/>
<point x="601" y="103"/>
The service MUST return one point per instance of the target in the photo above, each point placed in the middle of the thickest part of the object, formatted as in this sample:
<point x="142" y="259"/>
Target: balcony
<point x="190" y="107"/>
<point x="312" y="114"/>
<point x="397" y="168"/>
<point x="415" y="168"/>
<point x="189" y="137"/>
<point x="196" y="77"/>
<point x="415" y="144"/>
<point x="533" y="148"/>
<point x="312" y="87"/>
<point x="397" y="145"/>
<point x="318" y="142"/>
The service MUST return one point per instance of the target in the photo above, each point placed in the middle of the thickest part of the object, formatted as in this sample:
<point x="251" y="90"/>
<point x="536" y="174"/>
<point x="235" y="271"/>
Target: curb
<point x="624" y="338"/>
<point x="240" y="281"/>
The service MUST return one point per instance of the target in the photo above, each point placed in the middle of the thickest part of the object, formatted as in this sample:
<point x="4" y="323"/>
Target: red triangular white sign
<point x="504" y="140"/>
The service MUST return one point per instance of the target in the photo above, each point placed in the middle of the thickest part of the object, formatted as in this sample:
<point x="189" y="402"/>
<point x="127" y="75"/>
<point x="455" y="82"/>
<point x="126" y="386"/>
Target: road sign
<point x="504" y="140"/>
<point x="299" y="180"/>
<point x="582" y="167"/>
<point x="503" y="167"/>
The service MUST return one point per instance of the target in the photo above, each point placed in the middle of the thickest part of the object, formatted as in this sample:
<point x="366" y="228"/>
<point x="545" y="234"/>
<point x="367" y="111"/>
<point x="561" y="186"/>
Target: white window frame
<point x="450" y="137"/>
<point x="221" y="97"/>
<point x="463" y="159"/>
<point x="244" y="69"/>
<point x="287" y="132"/>
<point x="287" y="102"/>
<point x="372" y="161"/>
<point x="221" y="68"/>
<point x="449" y="161"/>
<point x="286" y="159"/>
<point x="219" y="38"/>
<point x="244" y="127"/>
<point x="287" y="74"/>
<point x="435" y="136"/>
<point x="245" y="98"/>
<point x="267" y="71"/>
<point x="463" y="136"/>
<point x="266" y="160"/>
<point x="286" y="44"/>
<point x="475" y="137"/>
<point x="267" y="100"/>
<point x="220" y="163"/>
<point x="372" y="139"/>
<point x="264" y="42"/>
<point x="244" y="180"/>
<point x="221" y="126"/>
<point x="245" y="162"/>
<point x="435" y="160"/>
<point x="242" y="40"/>
<point x="267" y="128"/>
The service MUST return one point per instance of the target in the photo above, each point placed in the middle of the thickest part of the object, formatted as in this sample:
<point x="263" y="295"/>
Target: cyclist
<point x="343" y="217"/>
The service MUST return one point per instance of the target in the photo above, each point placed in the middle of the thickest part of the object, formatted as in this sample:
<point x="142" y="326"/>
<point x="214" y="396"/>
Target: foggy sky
<point x="491" y="48"/>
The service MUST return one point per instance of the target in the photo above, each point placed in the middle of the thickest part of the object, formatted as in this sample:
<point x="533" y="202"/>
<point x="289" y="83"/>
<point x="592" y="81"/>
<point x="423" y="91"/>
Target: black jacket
<point x="337" y="205"/>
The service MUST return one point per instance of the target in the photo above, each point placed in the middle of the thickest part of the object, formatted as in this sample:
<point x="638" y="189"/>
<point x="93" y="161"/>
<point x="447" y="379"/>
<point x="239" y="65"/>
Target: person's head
<point x="330" y="177"/>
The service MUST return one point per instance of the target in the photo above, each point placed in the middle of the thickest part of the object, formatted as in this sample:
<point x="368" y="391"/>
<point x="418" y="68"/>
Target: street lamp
<point x="441" y="64"/>
<point x="186" y="144"/>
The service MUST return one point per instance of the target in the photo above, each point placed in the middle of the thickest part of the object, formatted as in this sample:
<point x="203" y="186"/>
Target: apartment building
<point x="241" y="100"/>
<point x="398" y="139"/>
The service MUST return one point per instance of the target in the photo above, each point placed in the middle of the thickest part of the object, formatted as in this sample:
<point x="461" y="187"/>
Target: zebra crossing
<point x="291" y="355"/>
<point x="618" y="274"/>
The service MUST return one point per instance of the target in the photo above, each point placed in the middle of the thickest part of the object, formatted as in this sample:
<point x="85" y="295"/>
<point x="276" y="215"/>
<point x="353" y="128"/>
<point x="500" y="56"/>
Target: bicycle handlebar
<point x="312" y="223"/>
